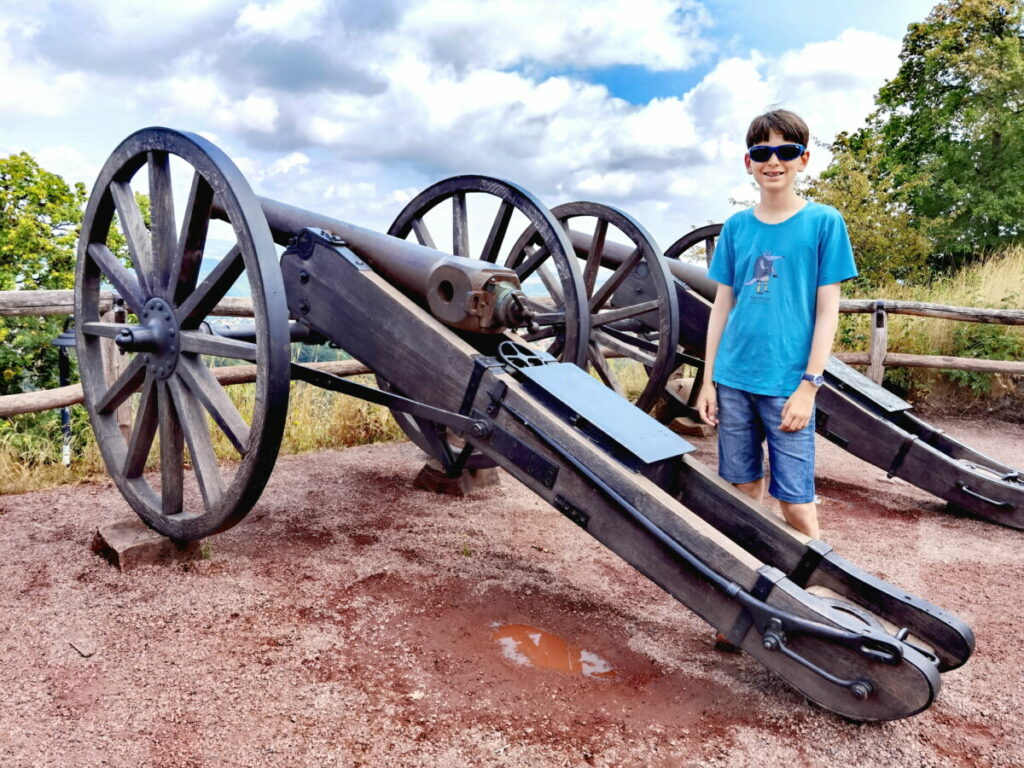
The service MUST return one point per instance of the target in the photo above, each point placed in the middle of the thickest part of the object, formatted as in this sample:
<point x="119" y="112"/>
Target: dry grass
<point x="998" y="282"/>
<point x="317" y="420"/>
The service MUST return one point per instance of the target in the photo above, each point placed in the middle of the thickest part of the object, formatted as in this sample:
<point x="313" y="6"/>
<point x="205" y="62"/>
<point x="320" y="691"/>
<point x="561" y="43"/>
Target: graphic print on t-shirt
<point x="764" y="270"/>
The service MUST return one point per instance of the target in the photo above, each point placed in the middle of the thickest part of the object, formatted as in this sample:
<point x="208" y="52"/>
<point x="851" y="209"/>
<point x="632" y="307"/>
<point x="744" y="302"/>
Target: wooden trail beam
<point x="48" y="399"/>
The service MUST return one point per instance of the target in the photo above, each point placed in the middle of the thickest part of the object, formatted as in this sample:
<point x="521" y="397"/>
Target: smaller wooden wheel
<point x="681" y="402"/>
<point x="177" y="401"/>
<point x="706" y="235"/>
<point x="631" y="301"/>
<point x="478" y="211"/>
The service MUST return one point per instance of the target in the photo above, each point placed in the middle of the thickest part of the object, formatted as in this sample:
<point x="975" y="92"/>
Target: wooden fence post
<point x="879" y="342"/>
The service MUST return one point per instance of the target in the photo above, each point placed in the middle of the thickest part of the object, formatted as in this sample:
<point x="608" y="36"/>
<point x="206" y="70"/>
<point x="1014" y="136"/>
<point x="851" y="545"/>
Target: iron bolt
<point x="770" y="642"/>
<point x="480" y="429"/>
<point x="304" y="307"/>
<point x="303" y="276"/>
<point x="861" y="689"/>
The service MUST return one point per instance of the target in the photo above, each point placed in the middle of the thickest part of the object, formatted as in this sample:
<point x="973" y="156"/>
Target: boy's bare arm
<point x="707" y="401"/>
<point x="796" y="413"/>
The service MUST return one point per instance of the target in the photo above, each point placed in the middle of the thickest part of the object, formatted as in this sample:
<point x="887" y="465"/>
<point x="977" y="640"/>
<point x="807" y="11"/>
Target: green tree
<point x="948" y="132"/>
<point x="885" y="243"/>
<point x="40" y="216"/>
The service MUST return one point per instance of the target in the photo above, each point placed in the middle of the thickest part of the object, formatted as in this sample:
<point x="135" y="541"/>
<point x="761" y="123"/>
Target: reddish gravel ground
<point x="349" y="621"/>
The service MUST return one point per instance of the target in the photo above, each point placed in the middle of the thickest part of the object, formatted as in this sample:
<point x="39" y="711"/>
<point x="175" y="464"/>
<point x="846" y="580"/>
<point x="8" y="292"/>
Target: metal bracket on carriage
<point x="777" y="628"/>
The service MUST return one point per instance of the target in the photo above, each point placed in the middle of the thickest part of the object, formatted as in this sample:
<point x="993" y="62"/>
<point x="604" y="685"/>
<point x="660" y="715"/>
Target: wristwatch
<point x="815" y="378"/>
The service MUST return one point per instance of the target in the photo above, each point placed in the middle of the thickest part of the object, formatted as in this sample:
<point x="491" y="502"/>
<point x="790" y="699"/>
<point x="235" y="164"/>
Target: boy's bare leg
<point x="754" y="489"/>
<point x="803" y="517"/>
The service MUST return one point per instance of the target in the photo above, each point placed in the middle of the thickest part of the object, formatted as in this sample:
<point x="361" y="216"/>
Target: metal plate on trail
<point x="857" y="384"/>
<point x="604" y="417"/>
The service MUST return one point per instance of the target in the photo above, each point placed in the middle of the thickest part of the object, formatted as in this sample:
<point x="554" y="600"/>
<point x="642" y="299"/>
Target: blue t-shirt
<point x="775" y="271"/>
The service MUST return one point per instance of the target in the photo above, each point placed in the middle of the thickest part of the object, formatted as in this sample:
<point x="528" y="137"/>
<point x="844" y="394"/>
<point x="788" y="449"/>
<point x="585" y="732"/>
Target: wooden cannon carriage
<point x="853" y="411"/>
<point x="467" y="359"/>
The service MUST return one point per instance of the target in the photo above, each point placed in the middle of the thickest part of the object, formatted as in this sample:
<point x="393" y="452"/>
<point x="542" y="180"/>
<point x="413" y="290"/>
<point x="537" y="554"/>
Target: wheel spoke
<point x="172" y="454"/>
<point x="460" y="225"/>
<point x="551" y="283"/>
<point x="200" y="447"/>
<point x="621" y="272"/>
<point x="124" y="282"/>
<point x="192" y="242"/>
<point x="499" y="227"/>
<point x="200" y="343"/>
<point x="143" y="431"/>
<point x="604" y="371"/>
<point x="594" y="255"/>
<point x="135" y="232"/>
<point x="125" y="386"/>
<point x="422" y="233"/>
<point x="161" y="213"/>
<point x="532" y="263"/>
<point x="106" y="330"/>
<point x="623" y="313"/>
<point x="208" y="390"/>
<point x="205" y="297"/>
<point x="623" y="349"/>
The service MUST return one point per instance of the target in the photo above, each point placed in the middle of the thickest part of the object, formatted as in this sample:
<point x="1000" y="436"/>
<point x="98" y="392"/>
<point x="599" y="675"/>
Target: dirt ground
<point x="352" y="620"/>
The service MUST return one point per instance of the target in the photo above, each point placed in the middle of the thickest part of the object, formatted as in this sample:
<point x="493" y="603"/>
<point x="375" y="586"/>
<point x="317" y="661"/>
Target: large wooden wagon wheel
<point x="631" y="301"/>
<point x="178" y="402"/>
<point x="549" y="273"/>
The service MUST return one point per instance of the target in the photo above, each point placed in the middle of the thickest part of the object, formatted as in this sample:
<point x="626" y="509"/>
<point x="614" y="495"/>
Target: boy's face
<point x="774" y="175"/>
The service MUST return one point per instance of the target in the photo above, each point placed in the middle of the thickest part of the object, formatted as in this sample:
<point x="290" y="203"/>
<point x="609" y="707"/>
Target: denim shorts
<point x="744" y="421"/>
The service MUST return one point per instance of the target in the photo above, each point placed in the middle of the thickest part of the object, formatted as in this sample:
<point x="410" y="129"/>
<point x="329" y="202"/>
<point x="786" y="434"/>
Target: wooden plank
<point x="44" y="303"/>
<point x="899" y="360"/>
<point x="943" y="311"/>
<point x="48" y="399"/>
<point x="48" y="303"/>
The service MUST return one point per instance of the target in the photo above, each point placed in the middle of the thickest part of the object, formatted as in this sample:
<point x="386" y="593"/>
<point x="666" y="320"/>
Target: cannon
<point x="852" y="411"/>
<point x="458" y="347"/>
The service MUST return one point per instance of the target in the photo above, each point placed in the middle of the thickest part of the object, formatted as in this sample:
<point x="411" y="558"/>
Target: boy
<point x="778" y="266"/>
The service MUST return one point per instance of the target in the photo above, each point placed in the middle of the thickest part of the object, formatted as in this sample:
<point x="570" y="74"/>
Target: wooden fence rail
<point x="43" y="303"/>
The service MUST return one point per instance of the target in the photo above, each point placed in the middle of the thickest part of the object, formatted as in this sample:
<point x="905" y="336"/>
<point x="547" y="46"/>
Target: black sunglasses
<point x="762" y="152"/>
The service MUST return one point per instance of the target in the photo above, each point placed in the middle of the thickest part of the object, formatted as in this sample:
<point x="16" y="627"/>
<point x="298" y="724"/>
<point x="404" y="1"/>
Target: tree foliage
<point x="40" y="216"/>
<point x="944" y="150"/>
<point x="880" y="225"/>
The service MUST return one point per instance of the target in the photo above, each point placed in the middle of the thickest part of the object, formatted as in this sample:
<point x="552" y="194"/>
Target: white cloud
<point x="659" y="34"/>
<point x="285" y="19"/>
<point x="433" y="88"/>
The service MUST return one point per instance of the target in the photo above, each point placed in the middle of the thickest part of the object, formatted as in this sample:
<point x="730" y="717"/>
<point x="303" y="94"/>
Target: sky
<point x="350" y="107"/>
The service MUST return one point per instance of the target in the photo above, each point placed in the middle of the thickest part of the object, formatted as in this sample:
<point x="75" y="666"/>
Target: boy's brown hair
<point x="790" y="125"/>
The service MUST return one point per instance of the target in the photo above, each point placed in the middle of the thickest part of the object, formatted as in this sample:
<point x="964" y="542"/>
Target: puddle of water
<point x="532" y="647"/>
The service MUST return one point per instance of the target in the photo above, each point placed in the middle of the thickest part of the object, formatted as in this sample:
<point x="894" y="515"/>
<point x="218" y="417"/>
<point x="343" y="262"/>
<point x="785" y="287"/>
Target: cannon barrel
<point x="615" y="254"/>
<point x="464" y="293"/>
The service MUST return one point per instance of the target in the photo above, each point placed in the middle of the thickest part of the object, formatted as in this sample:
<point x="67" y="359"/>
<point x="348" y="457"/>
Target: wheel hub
<point x="155" y="338"/>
